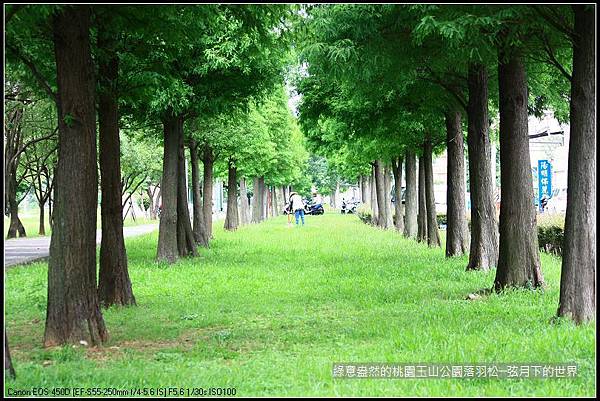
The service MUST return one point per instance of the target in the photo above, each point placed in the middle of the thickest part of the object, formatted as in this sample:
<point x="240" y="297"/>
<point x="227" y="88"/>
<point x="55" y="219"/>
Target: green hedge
<point x="550" y="229"/>
<point x="442" y="219"/>
<point x="551" y="232"/>
<point x="365" y="214"/>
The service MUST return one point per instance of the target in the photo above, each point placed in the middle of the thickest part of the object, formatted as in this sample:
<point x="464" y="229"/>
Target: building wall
<point x="554" y="148"/>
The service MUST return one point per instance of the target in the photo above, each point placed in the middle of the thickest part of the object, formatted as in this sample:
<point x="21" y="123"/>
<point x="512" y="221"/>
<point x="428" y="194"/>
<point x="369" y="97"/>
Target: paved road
<point x="24" y="250"/>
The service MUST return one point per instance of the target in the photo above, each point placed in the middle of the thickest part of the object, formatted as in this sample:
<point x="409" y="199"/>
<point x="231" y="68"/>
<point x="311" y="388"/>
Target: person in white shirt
<point x="297" y="206"/>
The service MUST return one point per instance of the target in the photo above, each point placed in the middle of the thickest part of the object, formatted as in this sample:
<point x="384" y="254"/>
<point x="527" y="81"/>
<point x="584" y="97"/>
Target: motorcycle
<point x="349" y="207"/>
<point x="313" y="208"/>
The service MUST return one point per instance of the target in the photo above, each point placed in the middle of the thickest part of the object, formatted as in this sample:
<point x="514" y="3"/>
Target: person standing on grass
<point x="288" y="211"/>
<point x="297" y="206"/>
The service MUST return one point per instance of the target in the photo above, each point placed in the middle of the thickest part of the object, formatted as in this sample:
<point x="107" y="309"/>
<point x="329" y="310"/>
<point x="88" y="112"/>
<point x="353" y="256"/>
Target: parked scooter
<point x="313" y="208"/>
<point x="349" y="207"/>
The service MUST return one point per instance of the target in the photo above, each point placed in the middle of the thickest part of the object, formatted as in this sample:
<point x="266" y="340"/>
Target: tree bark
<point x="373" y="191"/>
<point x="364" y="191"/>
<point x="199" y="227"/>
<point x="152" y="209"/>
<point x="483" y="254"/>
<point x="50" y="212"/>
<point x="186" y="243"/>
<point x="275" y="201"/>
<point x="410" y="196"/>
<point x="244" y="206"/>
<point x="457" y="234"/>
<point x="231" y="219"/>
<point x="387" y="174"/>
<point x="16" y="227"/>
<point x="256" y="203"/>
<point x="397" y="170"/>
<point x="264" y="199"/>
<point x="51" y="198"/>
<point x="269" y="203"/>
<point x="114" y="285"/>
<point x="578" y="275"/>
<point x="433" y="234"/>
<point x="9" y="370"/>
<point x="382" y="220"/>
<point x="518" y="260"/>
<point x="281" y="199"/>
<point x="42" y="228"/>
<point x="158" y="200"/>
<point x="167" y="230"/>
<point x="422" y="215"/>
<point x="207" y="190"/>
<point x="13" y="141"/>
<point x="73" y="312"/>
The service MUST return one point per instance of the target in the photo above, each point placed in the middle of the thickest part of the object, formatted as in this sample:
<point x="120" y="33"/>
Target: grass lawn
<point x="269" y="309"/>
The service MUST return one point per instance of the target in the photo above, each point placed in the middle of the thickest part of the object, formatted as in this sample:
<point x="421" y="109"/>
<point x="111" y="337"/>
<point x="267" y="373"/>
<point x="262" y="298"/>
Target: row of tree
<point x="31" y="139"/>
<point x="383" y="85"/>
<point x="206" y="78"/>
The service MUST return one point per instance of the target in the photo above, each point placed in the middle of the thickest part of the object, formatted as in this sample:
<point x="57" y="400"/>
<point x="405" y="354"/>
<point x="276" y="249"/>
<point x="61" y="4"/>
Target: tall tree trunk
<point x="280" y="199"/>
<point x="73" y="312"/>
<point x="262" y="198"/>
<point x="9" y="370"/>
<point x="275" y="201"/>
<point x="364" y="191"/>
<point x="231" y="219"/>
<point x="388" y="196"/>
<point x="269" y="203"/>
<point x="42" y="228"/>
<point x="360" y="188"/>
<point x="244" y="206"/>
<point x="151" y="197"/>
<point x="186" y="243"/>
<point x="114" y="285"/>
<point x="256" y="203"/>
<point x="382" y="220"/>
<point x="410" y="196"/>
<point x="373" y="190"/>
<point x="199" y="227"/>
<point x="397" y="170"/>
<point x="158" y="200"/>
<point x="519" y="259"/>
<point x="422" y="216"/>
<point x="207" y="191"/>
<point x="433" y="235"/>
<point x="50" y="210"/>
<point x="13" y="141"/>
<point x="167" y="230"/>
<point x="15" y="227"/>
<point x="457" y="234"/>
<point x="578" y="276"/>
<point x="483" y="253"/>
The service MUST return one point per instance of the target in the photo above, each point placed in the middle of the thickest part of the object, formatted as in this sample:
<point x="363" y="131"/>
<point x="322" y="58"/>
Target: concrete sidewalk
<point x="24" y="250"/>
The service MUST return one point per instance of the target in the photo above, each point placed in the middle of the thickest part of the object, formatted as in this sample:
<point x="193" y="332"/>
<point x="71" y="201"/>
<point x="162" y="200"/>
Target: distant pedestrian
<point x="544" y="202"/>
<point x="297" y="206"/>
<point x="288" y="210"/>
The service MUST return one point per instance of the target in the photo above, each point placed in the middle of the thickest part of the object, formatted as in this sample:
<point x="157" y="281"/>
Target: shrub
<point x="442" y="220"/>
<point x="365" y="213"/>
<point x="551" y="232"/>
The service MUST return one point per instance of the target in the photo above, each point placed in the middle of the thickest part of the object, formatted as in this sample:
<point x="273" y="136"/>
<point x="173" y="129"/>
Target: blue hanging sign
<point x="544" y="181"/>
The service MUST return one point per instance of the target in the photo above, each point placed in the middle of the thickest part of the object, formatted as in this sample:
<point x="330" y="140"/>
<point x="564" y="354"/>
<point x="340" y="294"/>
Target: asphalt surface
<point x="19" y="251"/>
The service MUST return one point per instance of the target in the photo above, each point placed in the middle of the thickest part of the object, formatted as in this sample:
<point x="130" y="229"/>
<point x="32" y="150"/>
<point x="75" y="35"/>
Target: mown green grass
<point x="268" y="310"/>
